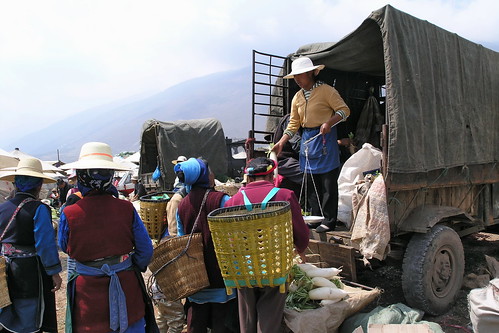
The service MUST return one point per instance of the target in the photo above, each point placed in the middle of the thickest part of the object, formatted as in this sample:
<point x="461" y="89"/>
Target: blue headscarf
<point x="193" y="172"/>
<point x="27" y="183"/>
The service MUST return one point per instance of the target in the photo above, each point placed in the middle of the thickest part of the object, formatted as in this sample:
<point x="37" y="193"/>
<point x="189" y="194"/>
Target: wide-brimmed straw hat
<point x="95" y="155"/>
<point x="179" y="159"/>
<point x="302" y="65"/>
<point x="28" y="167"/>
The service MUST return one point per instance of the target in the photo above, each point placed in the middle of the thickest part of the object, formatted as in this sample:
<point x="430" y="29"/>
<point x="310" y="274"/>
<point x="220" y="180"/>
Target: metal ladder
<point x="270" y="98"/>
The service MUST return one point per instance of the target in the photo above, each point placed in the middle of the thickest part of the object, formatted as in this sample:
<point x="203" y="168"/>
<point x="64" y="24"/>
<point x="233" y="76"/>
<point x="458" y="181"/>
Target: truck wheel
<point x="433" y="269"/>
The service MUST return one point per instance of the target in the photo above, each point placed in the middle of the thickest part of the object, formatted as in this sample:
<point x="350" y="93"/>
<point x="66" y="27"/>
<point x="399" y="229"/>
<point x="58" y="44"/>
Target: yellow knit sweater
<point x="323" y="103"/>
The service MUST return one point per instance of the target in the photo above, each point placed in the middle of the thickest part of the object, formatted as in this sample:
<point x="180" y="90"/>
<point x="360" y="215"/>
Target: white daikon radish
<point x="323" y="282"/>
<point x="306" y="267"/>
<point x="329" y="301"/>
<point x="327" y="293"/>
<point x="327" y="273"/>
<point x="273" y="156"/>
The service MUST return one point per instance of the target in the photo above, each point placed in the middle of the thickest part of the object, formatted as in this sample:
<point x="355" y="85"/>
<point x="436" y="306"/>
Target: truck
<point x="163" y="141"/>
<point x="437" y="131"/>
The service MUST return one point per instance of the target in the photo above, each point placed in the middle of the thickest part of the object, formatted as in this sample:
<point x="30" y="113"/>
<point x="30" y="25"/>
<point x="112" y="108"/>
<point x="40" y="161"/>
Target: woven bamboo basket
<point x="183" y="276"/>
<point x="254" y="248"/>
<point x="153" y="214"/>
<point x="4" y="290"/>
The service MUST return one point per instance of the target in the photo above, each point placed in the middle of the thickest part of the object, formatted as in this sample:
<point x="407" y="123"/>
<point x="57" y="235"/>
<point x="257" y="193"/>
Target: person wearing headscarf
<point x="170" y="315"/>
<point x="315" y="110"/>
<point x="29" y="246"/>
<point x="262" y="309"/>
<point x="108" y="241"/>
<point x="211" y="307"/>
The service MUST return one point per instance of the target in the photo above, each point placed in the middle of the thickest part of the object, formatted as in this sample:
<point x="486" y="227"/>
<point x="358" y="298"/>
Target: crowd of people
<point x="109" y="248"/>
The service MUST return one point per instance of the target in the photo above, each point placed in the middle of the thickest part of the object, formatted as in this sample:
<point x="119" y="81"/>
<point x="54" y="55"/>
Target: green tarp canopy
<point x="442" y="105"/>
<point x="162" y="142"/>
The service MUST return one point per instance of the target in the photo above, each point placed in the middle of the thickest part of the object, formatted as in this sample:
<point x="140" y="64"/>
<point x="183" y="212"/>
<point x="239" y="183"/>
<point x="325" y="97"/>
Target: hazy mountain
<point x="225" y="96"/>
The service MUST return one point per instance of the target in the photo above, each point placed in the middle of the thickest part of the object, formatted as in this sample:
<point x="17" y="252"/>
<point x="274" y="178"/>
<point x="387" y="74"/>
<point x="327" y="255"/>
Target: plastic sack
<point x="371" y="226"/>
<point x="366" y="159"/>
<point x="156" y="174"/>
<point x="484" y="307"/>
<point x="328" y="318"/>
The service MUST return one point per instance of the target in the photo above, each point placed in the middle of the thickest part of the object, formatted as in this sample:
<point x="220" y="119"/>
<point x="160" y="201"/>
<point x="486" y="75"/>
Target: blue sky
<point x="59" y="57"/>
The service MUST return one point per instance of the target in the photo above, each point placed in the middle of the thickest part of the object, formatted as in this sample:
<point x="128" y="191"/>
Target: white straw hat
<point x="29" y="166"/>
<point x="302" y="65"/>
<point x="95" y="155"/>
<point x="179" y="159"/>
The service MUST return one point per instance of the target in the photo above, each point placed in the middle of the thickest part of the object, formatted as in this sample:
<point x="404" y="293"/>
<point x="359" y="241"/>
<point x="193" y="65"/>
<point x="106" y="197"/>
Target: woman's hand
<point x="277" y="148"/>
<point x="302" y="255"/>
<point x="325" y="128"/>
<point x="57" y="280"/>
<point x="280" y="144"/>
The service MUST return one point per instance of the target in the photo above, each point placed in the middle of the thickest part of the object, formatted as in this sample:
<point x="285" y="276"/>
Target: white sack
<point x="484" y="308"/>
<point x="366" y="159"/>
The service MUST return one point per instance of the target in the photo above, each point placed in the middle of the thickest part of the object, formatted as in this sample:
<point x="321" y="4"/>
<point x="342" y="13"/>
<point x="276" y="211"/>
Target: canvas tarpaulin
<point x="441" y="105"/>
<point x="164" y="141"/>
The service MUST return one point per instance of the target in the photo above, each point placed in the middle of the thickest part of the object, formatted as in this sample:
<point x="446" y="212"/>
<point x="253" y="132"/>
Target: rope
<point x="304" y="180"/>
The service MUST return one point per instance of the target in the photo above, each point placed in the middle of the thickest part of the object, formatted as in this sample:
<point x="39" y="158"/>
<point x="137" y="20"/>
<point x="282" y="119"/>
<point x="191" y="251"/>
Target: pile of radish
<point x="312" y="287"/>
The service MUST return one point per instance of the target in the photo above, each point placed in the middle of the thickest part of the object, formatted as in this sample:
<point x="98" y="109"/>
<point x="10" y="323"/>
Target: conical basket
<point x="254" y="248"/>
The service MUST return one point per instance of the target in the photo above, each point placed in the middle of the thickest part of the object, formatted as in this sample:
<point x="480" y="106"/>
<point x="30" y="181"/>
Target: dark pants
<point x="326" y="185"/>
<point x="216" y="316"/>
<point x="261" y="309"/>
<point x="290" y="185"/>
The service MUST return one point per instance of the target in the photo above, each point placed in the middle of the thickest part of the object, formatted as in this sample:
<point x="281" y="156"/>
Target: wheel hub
<point x="442" y="272"/>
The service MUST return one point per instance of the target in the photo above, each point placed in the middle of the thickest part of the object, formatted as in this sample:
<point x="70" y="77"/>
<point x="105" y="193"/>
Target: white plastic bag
<point x="366" y="159"/>
<point x="484" y="308"/>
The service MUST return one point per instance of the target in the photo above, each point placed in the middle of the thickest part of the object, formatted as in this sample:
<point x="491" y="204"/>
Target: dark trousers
<point x="326" y="185"/>
<point x="261" y="310"/>
<point x="216" y="316"/>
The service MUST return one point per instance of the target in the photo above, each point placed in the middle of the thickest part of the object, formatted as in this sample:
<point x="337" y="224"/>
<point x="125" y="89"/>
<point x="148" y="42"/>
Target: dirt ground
<point x="387" y="276"/>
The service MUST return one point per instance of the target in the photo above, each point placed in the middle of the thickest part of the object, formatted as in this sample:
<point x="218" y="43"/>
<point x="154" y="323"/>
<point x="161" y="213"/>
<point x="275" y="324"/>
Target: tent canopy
<point x="162" y="142"/>
<point x="442" y="109"/>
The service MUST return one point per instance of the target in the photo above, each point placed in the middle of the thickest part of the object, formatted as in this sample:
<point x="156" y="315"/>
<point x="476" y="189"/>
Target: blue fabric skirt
<point x="320" y="155"/>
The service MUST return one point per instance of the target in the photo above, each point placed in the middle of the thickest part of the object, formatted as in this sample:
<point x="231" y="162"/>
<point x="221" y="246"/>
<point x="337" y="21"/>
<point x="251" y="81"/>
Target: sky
<point x="60" y="57"/>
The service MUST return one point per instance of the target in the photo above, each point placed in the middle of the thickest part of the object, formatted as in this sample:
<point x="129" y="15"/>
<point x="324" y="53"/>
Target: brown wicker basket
<point x="4" y="290"/>
<point x="153" y="214"/>
<point x="180" y="275"/>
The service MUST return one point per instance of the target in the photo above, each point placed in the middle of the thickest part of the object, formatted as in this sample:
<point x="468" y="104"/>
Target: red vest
<point x="188" y="210"/>
<point x="101" y="226"/>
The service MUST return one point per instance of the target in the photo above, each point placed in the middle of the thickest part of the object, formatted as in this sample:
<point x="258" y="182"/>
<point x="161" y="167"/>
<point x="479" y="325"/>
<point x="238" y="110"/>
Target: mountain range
<point x="225" y="96"/>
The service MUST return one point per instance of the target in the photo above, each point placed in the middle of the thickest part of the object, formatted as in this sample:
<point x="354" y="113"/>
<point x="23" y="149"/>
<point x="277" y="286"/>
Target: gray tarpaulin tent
<point x="164" y="141"/>
<point x="442" y="105"/>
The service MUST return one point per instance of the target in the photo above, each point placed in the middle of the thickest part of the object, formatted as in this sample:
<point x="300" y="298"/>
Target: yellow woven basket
<point x="4" y="290"/>
<point x="153" y="214"/>
<point x="254" y="248"/>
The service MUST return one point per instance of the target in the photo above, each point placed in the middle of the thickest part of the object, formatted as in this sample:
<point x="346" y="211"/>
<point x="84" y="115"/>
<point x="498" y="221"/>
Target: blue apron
<point x="320" y="155"/>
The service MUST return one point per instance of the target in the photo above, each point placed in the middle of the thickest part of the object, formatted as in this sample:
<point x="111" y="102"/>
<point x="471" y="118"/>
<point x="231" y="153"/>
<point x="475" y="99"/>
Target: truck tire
<point x="433" y="269"/>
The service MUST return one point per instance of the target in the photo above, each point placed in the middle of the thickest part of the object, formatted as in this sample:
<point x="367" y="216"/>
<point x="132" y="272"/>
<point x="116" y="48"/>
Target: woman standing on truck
<point x="316" y="108"/>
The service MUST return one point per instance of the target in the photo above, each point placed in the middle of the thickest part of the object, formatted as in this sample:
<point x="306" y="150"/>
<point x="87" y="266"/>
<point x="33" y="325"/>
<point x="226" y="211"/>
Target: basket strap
<point x="18" y="208"/>
<point x="268" y="197"/>
<point x="190" y="236"/>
